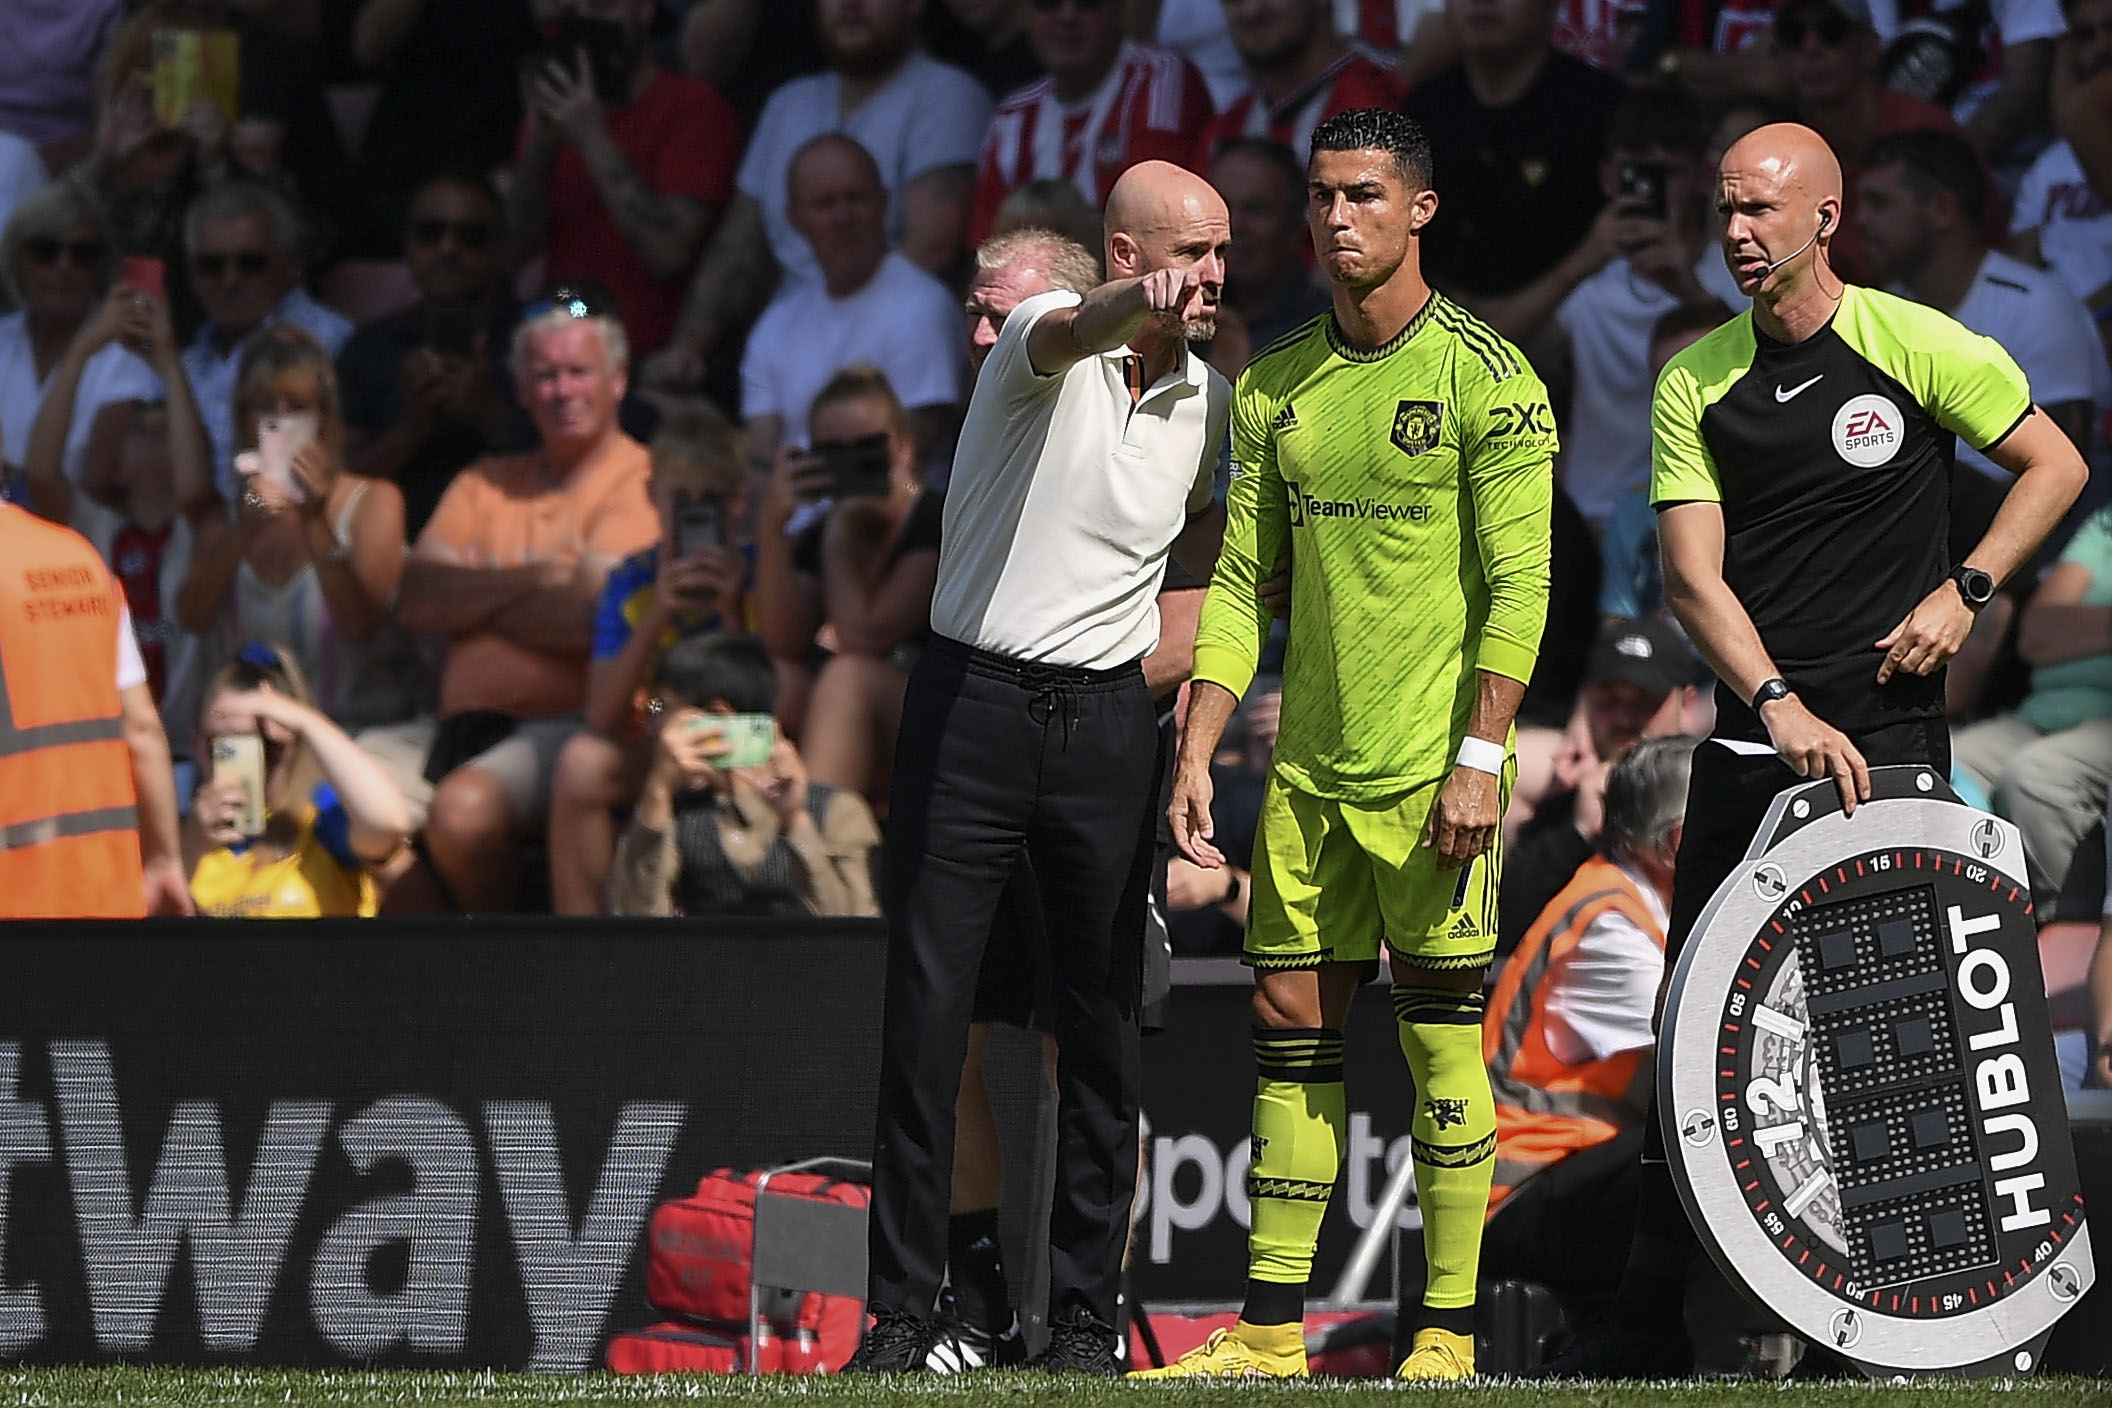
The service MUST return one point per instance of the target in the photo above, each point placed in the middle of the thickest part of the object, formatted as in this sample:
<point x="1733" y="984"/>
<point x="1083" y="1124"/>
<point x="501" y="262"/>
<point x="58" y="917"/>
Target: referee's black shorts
<point x="1728" y="797"/>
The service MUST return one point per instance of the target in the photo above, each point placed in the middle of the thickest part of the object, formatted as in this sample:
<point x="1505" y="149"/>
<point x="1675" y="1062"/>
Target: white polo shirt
<point x="1064" y="500"/>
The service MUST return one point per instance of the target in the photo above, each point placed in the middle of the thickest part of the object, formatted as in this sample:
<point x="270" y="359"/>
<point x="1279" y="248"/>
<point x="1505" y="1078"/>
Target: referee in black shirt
<point x="1800" y="468"/>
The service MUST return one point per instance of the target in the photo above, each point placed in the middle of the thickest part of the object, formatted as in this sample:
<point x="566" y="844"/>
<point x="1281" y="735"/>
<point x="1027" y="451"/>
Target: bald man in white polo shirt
<point x="1088" y="455"/>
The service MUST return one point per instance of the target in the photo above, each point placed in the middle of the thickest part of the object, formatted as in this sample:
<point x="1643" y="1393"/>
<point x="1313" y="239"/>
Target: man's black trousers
<point x="997" y="756"/>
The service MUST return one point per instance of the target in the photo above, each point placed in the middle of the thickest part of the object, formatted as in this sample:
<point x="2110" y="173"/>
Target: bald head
<point x="1157" y="195"/>
<point x="1779" y="193"/>
<point x="835" y="159"/>
<point x="1162" y="217"/>
<point x="1793" y="154"/>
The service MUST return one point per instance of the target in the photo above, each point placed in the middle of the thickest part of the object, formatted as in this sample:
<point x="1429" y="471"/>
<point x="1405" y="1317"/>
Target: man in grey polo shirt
<point x="1088" y="454"/>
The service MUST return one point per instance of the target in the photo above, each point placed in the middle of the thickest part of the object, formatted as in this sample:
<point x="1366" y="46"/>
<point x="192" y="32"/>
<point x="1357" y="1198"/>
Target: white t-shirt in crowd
<point x="22" y="173"/>
<point x="903" y="321"/>
<point x="926" y="117"/>
<point x="112" y="374"/>
<point x="2046" y="328"/>
<point x="1600" y="995"/>
<point x="2073" y="220"/>
<point x="1064" y="500"/>
<point x="181" y="657"/>
<point x="1606" y="442"/>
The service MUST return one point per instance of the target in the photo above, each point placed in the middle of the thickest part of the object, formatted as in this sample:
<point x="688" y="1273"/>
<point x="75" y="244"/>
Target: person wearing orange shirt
<point x="509" y="570"/>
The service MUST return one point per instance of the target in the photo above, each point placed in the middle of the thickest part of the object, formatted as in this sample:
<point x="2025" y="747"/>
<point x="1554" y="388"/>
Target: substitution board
<point x="1857" y="1078"/>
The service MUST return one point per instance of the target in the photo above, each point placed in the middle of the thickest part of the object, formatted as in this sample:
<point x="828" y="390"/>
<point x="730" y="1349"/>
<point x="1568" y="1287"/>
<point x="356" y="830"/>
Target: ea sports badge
<point x="1857" y="1079"/>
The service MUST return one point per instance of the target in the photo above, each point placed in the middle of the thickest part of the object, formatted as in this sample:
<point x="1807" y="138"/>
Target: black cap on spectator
<point x="1647" y="653"/>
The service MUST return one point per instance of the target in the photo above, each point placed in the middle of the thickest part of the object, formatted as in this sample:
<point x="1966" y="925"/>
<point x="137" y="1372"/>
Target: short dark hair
<point x="1935" y="161"/>
<point x="1269" y="153"/>
<point x="1381" y="130"/>
<point x="1656" y="117"/>
<point x="1689" y="317"/>
<point x="468" y="178"/>
<point x="703" y="669"/>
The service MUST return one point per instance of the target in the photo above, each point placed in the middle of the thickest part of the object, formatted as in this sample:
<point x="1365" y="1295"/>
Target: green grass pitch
<point x="49" y="1388"/>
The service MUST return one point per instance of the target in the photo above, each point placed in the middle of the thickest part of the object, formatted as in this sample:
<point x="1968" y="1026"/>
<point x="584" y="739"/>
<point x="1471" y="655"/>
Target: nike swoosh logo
<point x="1792" y="393"/>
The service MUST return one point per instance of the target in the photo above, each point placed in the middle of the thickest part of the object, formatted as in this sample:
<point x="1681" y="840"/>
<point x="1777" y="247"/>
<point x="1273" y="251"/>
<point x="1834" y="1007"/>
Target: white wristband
<point x="1482" y="755"/>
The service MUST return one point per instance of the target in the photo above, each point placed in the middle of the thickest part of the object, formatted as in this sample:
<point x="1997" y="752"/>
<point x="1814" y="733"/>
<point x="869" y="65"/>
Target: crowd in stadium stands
<point x="492" y="405"/>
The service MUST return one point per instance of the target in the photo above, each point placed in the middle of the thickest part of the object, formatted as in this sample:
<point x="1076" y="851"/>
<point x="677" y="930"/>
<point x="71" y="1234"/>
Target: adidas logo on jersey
<point x="1285" y="418"/>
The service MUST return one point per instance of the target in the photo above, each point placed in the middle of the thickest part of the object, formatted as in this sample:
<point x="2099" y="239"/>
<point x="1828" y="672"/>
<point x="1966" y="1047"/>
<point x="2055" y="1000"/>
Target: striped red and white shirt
<point x="1350" y="82"/>
<point x="1151" y="106"/>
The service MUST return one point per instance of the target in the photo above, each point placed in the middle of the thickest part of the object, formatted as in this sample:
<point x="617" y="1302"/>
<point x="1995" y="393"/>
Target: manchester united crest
<point x="1416" y="425"/>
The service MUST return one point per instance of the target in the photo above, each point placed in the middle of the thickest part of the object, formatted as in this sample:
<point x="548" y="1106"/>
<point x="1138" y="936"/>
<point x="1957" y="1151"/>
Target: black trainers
<point x="958" y="1347"/>
<point x="896" y="1343"/>
<point x="1080" y="1342"/>
<point x="1611" y="1350"/>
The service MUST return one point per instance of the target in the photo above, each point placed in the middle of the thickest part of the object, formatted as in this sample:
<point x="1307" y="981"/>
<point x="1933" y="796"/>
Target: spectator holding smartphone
<point x="56" y="264"/>
<point x="716" y="833"/>
<point x="291" y="817"/>
<point x="846" y="603"/>
<point x="692" y="581"/>
<point x="310" y="553"/>
<point x="146" y="489"/>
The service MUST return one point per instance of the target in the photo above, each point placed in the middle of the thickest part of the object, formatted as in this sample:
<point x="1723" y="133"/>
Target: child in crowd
<point x="709" y="838"/>
<point x="145" y="482"/>
<point x="330" y="816"/>
<point x="692" y="582"/>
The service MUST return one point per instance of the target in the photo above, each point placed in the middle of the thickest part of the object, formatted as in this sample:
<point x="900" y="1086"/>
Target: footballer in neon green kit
<point x="1400" y="454"/>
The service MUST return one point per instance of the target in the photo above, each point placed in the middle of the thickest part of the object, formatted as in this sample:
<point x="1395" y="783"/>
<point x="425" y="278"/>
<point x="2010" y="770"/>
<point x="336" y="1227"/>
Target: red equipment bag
<point x="672" y="1347"/>
<point x="697" y="1270"/>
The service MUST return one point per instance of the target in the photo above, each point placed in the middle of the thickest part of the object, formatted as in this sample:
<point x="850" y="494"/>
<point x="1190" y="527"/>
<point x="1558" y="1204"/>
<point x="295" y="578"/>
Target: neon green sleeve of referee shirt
<point x="1234" y="624"/>
<point x="1682" y="471"/>
<point x="1509" y="468"/>
<point x="1969" y="383"/>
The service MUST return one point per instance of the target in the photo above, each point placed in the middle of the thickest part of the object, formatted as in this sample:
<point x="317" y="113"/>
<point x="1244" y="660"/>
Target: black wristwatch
<point x="1771" y="690"/>
<point x="1975" y="586"/>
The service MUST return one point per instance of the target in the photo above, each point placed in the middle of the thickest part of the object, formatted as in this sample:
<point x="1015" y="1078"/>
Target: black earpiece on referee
<point x="1825" y="219"/>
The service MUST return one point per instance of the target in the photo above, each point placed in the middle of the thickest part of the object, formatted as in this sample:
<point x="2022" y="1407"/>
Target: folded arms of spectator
<point x="2057" y="627"/>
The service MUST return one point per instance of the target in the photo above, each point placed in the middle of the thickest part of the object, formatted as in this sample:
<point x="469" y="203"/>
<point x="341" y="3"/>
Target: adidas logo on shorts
<point x="1464" y="927"/>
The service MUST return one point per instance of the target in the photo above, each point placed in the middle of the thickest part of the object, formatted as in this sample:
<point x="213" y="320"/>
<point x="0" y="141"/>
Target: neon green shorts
<point x="1332" y="879"/>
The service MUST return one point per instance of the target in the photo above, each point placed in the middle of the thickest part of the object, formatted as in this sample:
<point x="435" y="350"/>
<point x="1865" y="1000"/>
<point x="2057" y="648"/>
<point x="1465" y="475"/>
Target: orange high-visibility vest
<point x="1547" y="1109"/>
<point x="69" y="824"/>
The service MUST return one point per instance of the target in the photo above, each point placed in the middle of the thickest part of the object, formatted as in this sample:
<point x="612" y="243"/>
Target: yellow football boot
<point x="1242" y="1352"/>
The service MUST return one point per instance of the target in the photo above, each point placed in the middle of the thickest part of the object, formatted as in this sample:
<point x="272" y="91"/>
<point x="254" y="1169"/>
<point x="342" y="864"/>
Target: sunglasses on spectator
<point x="248" y="263"/>
<point x="469" y="234"/>
<point x="1831" y="26"/>
<point x="82" y="254"/>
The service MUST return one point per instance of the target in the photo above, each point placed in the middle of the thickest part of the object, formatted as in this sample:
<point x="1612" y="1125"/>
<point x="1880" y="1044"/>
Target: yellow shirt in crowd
<point x="317" y="877"/>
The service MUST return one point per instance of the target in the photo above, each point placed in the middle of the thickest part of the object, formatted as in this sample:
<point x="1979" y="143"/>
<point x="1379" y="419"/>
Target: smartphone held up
<point x="241" y="756"/>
